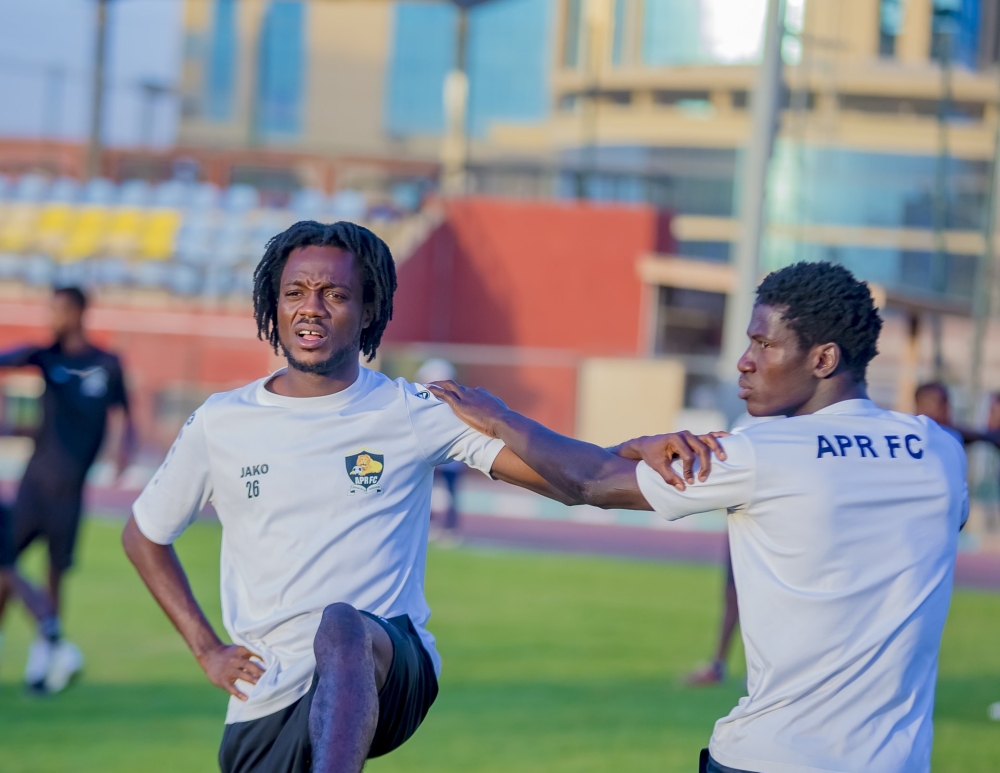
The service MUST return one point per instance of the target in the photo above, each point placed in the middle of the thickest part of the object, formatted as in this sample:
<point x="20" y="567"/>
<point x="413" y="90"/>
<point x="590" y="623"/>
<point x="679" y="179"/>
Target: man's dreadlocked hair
<point x="378" y="274"/>
<point x="824" y="303"/>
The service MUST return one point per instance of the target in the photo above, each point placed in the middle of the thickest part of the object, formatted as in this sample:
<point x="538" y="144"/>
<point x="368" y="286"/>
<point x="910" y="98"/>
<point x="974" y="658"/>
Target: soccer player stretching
<point x="321" y="476"/>
<point x="843" y="525"/>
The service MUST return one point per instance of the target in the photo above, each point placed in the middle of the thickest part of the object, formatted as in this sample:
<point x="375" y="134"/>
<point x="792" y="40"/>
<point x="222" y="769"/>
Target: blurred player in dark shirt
<point x="82" y="384"/>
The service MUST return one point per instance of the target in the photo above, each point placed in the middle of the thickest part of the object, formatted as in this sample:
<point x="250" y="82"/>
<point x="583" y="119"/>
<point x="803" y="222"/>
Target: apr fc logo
<point x="365" y="471"/>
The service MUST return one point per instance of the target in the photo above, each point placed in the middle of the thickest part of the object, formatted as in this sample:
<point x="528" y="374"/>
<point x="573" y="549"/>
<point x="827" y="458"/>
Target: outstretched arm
<point x="582" y="472"/>
<point x="160" y="569"/>
<point x="19" y="357"/>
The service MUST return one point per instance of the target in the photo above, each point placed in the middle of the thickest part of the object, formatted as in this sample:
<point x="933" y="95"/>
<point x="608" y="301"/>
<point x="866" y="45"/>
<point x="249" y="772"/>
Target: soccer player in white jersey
<point x="843" y="524"/>
<point x="321" y="476"/>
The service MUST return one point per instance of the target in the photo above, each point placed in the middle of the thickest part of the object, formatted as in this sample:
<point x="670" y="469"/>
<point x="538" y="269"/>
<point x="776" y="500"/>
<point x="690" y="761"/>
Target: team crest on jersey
<point x="365" y="471"/>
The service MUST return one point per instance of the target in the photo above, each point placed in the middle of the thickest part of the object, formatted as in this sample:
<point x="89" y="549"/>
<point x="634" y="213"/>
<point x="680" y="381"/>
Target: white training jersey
<point x="321" y="500"/>
<point x="843" y="527"/>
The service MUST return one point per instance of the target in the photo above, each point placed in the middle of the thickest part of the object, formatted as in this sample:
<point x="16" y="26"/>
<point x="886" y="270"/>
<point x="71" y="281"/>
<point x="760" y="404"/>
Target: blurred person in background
<point x="83" y="384"/>
<point x="932" y="400"/>
<point x="437" y="369"/>
<point x="715" y="672"/>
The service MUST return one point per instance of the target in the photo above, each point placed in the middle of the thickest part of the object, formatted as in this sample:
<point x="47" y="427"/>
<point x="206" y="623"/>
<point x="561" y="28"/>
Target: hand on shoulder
<point x="659" y="451"/>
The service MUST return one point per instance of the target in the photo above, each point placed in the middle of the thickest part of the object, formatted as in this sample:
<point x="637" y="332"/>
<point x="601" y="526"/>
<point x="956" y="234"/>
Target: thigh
<point x="277" y="743"/>
<point x="62" y="524"/>
<point x="27" y="520"/>
<point x="409" y="689"/>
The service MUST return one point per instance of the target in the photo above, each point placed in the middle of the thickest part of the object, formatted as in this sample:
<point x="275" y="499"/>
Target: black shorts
<point x="708" y="765"/>
<point x="48" y="507"/>
<point x="279" y="742"/>
<point x="8" y="553"/>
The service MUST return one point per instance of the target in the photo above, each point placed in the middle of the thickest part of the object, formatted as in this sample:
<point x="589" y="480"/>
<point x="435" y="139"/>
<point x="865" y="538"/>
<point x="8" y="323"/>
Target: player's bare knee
<point x="342" y="633"/>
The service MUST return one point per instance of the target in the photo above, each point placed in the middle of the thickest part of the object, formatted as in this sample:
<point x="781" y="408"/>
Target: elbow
<point x="592" y="493"/>
<point x="131" y="537"/>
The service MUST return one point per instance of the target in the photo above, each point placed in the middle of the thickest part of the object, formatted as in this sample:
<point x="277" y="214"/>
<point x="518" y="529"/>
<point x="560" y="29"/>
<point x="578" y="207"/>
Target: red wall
<point x="530" y="274"/>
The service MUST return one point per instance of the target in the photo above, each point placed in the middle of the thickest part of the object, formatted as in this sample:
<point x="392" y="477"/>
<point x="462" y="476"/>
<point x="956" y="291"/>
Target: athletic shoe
<point x="66" y="662"/>
<point x="39" y="658"/>
<point x="995" y="712"/>
<point x="711" y="674"/>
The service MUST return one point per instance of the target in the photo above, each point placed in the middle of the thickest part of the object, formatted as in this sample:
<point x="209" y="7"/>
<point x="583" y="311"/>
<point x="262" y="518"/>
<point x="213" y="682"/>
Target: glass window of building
<point x="423" y="51"/>
<point x="890" y="22"/>
<point x="955" y="31"/>
<point x="619" y="31"/>
<point x="281" y="69"/>
<point x="220" y="75"/>
<point x="689" y="321"/>
<point x="677" y="32"/>
<point x="509" y="58"/>
<point x="572" y="33"/>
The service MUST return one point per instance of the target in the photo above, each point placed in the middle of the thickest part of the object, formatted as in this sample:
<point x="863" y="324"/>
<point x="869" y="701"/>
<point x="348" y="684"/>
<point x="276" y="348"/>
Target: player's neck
<point x="296" y="383"/>
<point x="830" y="391"/>
<point x="74" y="342"/>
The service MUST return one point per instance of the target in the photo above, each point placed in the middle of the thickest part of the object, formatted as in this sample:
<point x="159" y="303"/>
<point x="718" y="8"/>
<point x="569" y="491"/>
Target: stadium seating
<point x="190" y="239"/>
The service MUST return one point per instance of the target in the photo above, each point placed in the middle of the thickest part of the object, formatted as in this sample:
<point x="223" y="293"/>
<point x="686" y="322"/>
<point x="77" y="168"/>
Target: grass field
<point x="551" y="663"/>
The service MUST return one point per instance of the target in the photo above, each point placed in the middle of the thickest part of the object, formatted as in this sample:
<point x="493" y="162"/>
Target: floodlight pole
<point x="986" y="276"/>
<point x="753" y="185"/>
<point x="92" y="167"/>
<point x="455" y="145"/>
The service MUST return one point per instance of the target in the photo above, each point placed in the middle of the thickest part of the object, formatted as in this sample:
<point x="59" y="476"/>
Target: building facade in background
<point x="46" y="71"/>
<point x="883" y="153"/>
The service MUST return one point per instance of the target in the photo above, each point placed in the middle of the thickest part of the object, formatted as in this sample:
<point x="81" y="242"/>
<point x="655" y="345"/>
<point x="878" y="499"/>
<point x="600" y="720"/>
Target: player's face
<point x="776" y="373"/>
<point x="321" y="308"/>
<point x="934" y="404"/>
<point x="65" y="317"/>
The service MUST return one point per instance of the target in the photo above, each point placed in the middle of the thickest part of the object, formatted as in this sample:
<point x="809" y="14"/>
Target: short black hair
<point x="824" y="303"/>
<point x="74" y="294"/>
<point x="378" y="275"/>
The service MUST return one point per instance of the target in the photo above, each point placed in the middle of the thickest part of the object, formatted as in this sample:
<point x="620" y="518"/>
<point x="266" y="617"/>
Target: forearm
<point x="161" y="571"/>
<point x="582" y="472"/>
<point x="126" y="447"/>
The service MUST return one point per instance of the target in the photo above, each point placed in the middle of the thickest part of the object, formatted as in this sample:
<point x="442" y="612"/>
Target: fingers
<point x="681" y="447"/>
<point x="704" y="453"/>
<point x="445" y="386"/>
<point x="712" y="441"/>
<point x="231" y="689"/>
<point x="662" y="465"/>
<point x="234" y="664"/>
<point x="444" y="395"/>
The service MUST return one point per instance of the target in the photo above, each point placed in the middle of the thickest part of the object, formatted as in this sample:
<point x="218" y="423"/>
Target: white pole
<point x="764" y="116"/>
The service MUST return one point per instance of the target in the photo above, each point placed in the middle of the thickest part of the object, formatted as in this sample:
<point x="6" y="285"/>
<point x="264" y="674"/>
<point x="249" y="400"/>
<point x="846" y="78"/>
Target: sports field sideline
<point x="551" y="663"/>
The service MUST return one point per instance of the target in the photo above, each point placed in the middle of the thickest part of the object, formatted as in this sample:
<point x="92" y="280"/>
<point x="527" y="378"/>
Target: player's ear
<point x="367" y="315"/>
<point x="826" y="360"/>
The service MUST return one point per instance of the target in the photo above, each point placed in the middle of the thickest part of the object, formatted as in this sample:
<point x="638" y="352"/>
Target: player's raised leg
<point x="353" y="657"/>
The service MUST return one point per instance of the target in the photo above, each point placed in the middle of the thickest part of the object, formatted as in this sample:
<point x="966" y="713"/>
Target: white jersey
<point x="322" y="500"/>
<point x="843" y="527"/>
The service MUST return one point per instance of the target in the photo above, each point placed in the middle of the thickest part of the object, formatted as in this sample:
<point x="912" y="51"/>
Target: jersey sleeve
<point x="443" y="437"/>
<point x="180" y="488"/>
<point x="730" y="483"/>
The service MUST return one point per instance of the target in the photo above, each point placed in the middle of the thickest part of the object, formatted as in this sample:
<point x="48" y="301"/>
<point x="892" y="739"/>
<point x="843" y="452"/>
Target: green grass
<point x="551" y="663"/>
